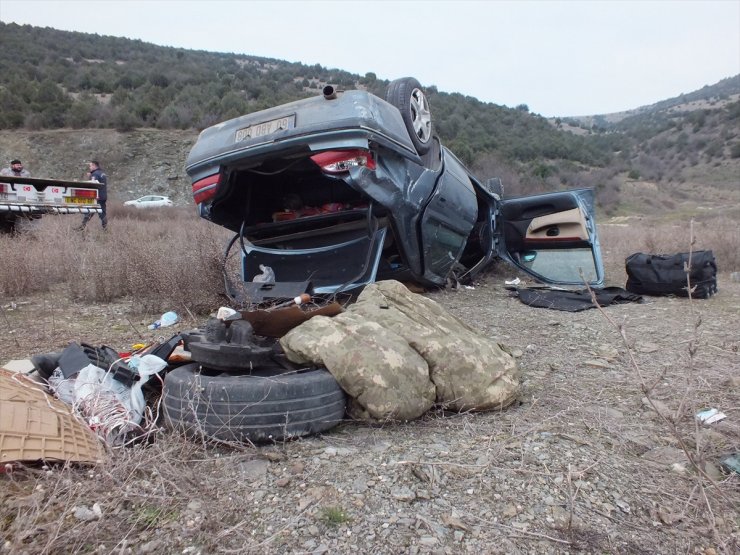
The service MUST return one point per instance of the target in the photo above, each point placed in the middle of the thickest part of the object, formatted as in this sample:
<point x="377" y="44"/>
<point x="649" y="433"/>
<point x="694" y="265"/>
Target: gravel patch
<point x="588" y="460"/>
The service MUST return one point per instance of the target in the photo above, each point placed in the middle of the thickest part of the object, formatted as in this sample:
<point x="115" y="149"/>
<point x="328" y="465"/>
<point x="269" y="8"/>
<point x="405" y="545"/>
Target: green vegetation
<point x="52" y="79"/>
<point x="334" y="516"/>
<point x="150" y="517"/>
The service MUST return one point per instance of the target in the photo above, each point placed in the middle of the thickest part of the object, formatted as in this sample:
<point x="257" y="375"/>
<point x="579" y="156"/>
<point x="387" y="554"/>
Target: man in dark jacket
<point x="97" y="174"/>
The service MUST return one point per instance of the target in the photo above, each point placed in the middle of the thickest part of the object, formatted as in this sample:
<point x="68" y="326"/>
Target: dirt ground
<point x="581" y="464"/>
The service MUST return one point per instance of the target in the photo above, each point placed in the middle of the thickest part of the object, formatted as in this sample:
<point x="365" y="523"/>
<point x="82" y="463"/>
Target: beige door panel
<point x="571" y="223"/>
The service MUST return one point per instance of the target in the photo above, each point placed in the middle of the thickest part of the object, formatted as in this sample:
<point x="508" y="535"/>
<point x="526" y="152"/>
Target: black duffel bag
<point x="665" y="274"/>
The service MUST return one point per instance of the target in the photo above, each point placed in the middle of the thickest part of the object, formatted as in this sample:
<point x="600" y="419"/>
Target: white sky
<point x="560" y="58"/>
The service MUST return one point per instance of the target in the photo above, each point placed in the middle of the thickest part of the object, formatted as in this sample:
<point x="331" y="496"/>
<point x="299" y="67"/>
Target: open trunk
<point x="307" y="226"/>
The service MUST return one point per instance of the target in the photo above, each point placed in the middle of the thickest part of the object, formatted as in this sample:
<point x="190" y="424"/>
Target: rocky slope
<point x="137" y="162"/>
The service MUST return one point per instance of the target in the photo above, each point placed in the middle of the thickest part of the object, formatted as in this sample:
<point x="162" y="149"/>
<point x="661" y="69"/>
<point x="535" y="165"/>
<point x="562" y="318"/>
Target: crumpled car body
<point x="337" y="191"/>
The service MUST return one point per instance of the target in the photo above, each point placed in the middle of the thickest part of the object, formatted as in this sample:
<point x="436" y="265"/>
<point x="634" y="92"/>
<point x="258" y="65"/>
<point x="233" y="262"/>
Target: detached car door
<point x="552" y="237"/>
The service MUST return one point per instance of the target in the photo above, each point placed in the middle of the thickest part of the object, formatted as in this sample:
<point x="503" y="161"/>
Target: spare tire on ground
<point x="267" y="405"/>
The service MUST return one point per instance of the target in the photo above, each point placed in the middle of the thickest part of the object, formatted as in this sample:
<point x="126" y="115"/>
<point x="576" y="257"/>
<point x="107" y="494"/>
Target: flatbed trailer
<point x="28" y="198"/>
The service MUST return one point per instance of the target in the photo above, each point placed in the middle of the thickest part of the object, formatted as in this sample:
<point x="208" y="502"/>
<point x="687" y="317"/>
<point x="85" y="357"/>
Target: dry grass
<point x="680" y="386"/>
<point x="171" y="258"/>
<point x="579" y="436"/>
<point x="618" y="241"/>
<point x="139" y="490"/>
<point x="168" y="258"/>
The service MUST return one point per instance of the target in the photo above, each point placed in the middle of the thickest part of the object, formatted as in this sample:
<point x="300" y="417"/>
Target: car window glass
<point x="563" y="265"/>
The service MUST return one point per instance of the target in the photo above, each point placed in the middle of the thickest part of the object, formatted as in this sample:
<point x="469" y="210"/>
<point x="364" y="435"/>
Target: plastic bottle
<point x="167" y="319"/>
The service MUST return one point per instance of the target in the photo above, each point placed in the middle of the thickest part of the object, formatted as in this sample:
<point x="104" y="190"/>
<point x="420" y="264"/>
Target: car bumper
<point x="352" y="120"/>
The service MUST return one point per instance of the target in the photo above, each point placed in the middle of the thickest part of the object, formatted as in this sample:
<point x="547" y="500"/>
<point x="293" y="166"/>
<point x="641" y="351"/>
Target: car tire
<point x="273" y="406"/>
<point x="407" y="95"/>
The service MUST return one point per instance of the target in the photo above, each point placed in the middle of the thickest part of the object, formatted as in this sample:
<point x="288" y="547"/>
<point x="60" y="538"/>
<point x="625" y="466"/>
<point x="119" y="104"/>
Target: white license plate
<point x="265" y="128"/>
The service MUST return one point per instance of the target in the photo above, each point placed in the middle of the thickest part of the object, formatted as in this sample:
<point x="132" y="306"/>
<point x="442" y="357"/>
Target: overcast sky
<point x="560" y="58"/>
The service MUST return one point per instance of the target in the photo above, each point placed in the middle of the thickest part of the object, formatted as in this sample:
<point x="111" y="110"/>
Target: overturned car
<point x="336" y="191"/>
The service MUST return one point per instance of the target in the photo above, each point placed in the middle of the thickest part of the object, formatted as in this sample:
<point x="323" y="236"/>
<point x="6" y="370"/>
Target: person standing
<point x="16" y="169"/>
<point x="97" y="174"/>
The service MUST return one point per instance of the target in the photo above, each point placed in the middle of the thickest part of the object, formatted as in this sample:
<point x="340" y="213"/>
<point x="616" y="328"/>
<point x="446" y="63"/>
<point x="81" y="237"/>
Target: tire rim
<point x="421" y="117"/>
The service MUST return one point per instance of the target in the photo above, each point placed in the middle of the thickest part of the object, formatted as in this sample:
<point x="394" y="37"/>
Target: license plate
<point x="80" y="200"/>
<point x="265" y="128"/>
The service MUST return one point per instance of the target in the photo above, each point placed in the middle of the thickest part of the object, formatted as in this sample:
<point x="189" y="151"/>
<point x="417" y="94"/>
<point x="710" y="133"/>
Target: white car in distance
<point x="149" y="201"/>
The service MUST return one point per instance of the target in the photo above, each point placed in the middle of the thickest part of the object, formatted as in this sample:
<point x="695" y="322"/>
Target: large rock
<point x="395" y="352"/>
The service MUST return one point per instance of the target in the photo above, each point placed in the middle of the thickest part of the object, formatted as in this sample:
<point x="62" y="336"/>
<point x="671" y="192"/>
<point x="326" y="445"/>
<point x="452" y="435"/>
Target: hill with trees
<point x="59" y="80"/>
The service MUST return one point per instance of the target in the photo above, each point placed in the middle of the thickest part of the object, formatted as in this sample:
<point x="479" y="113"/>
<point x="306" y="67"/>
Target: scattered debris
<point x="710" y="416"/>
<point x="426" y="349"/>
<point x="23" y="366"/>
<point x="104" y="388"/>
<point x="574" y="301"/>
<point x="225" y="313"/>
<point x="107" y="392"/>
<point x="732" y="463"/>
<point x="597" y="363"/>
<point x="113" y="408"/>
<point x="34" y="426"/>
<point x="167" y="319"/>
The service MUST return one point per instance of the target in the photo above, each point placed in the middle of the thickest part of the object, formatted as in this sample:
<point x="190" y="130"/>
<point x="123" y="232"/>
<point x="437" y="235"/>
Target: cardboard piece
<point x="24" y="366"/>
<point x="34" y="426"/>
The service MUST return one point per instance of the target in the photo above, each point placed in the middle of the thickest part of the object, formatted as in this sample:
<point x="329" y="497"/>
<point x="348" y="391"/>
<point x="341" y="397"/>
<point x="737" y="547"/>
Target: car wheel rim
<point x="421" y="116"/>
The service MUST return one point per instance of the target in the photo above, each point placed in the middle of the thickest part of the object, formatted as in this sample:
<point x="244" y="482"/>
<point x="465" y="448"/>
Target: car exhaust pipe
<point x="329" y="92"/>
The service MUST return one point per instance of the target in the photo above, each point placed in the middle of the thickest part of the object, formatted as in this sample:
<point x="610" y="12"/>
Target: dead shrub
<point x="164" y="259"/>
<point x="136" y="491"/>
<point x="117" y="210"/>
<point x="19" y="272"/>
<point x="172" y="259"/>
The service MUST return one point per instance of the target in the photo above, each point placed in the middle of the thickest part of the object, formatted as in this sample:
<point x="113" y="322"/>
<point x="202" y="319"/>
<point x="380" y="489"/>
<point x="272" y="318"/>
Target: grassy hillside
<point x="137" y="162"/>
<point x="66" y="97"/>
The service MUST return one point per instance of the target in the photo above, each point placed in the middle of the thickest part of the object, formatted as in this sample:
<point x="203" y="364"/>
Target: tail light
<point x="205" y="189"/>
<point x="84" y="193"/>
<point x="3" y="188"/>
<point x="340" y="161"/>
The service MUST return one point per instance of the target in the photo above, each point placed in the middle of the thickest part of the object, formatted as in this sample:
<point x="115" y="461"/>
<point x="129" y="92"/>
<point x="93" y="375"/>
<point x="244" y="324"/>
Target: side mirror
<point x="494" y="186"/>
